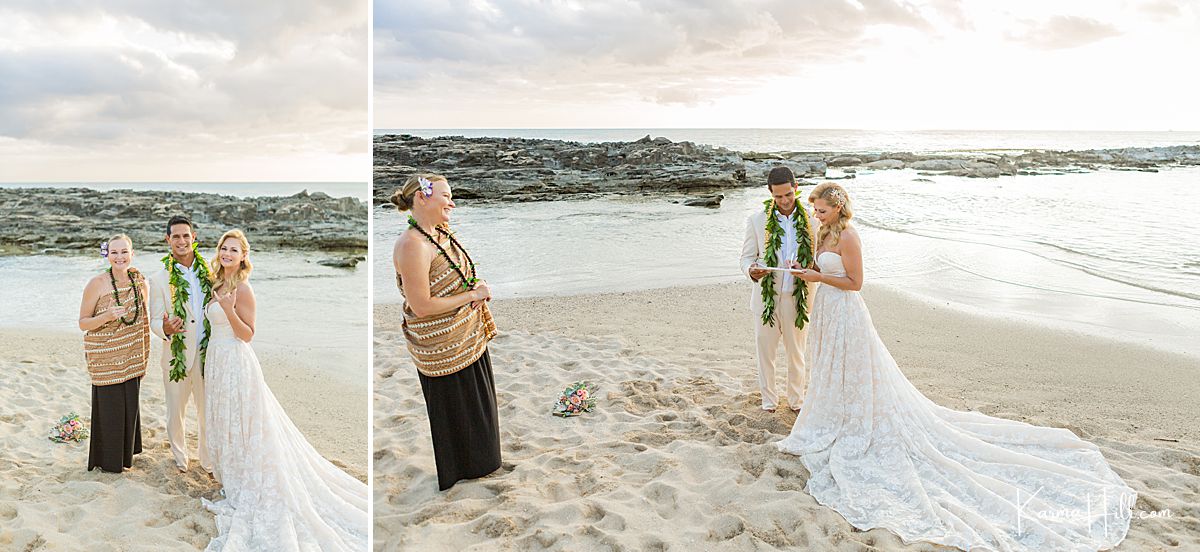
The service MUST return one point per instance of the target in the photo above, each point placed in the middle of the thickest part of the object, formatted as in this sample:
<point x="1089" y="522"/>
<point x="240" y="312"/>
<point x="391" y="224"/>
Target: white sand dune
<point x="679" y="456"/>
<point x="49" y="501"/>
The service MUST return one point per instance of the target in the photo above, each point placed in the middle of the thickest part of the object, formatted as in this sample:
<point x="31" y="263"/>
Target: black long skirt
<point x="464" y="423"/>
<point x="116" y="426"/>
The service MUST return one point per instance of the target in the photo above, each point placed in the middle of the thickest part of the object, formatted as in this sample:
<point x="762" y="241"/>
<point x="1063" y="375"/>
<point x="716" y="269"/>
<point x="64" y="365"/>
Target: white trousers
<point x="793" y="344"/>
<point x="178" y="394"/>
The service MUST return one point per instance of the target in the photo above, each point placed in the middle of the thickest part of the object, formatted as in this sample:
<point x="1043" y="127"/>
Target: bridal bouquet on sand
<point x="575" y="400"/>
<point x="69" y="429"/>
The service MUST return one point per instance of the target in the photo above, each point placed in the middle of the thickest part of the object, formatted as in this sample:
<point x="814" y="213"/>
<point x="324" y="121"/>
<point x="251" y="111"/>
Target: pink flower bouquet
<point x="69" y="429"/>
<point x="575" y="400"/>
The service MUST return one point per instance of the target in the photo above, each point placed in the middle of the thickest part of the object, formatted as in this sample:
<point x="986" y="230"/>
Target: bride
<point x="883" y="455"/>
<point x="280" y="494"/>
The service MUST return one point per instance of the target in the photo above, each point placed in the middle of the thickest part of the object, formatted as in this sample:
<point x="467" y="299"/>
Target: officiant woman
<point x="116" y="344"/>
<point x="447" y="326"/>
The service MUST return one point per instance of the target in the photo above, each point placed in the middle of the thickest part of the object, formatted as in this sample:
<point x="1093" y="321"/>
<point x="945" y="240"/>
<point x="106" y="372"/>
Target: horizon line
<point x="2" y="182"/>
<point x="791" y="128"/>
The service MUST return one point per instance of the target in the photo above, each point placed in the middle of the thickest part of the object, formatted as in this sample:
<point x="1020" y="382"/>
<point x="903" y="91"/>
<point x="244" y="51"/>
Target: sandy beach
<point x="679" y="456"/>
<point x="49" y="501"/>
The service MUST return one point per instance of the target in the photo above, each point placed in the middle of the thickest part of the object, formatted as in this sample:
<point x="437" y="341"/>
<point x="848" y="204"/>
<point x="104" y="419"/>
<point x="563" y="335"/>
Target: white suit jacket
<point x="160" y="302"/>
<point x="754" y="248"/>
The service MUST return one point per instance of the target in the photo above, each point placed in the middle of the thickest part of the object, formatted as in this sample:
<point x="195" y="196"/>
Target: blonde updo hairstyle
<point x="222" y="278"/>
<point x="402" y="198"/>
<point x="122" y="237"/>
<point x="837" y="198"/>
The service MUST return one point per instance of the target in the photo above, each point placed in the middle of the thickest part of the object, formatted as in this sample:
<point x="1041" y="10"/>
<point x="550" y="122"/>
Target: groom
<point x="779" y="236"/>
<point x="184" y="274"/>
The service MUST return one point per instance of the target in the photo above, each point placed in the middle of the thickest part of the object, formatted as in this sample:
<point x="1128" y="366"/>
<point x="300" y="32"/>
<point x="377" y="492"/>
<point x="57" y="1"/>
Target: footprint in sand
<point x="725" y="527"/>
<point x="498" y="488"/>
<point x="587" y="484"/>
<point x="158" y="521"/>
<point x="664" y="497"/>
<point x="540" y="539"/>
<point x="392" y="421"/>
<point x="555" y="492"/>
<point x="653" y="544"/>
<point x="497" y="526"/>
<point x="18" y="418"/>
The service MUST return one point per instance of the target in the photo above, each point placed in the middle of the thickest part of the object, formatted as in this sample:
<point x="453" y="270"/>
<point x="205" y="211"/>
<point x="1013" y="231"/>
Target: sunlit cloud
<point x="889" y="64"/>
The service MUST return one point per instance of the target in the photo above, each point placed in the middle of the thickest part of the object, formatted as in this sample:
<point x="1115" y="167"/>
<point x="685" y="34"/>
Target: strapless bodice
<point x="831" y="263"/>
<point x="218" y="322"/>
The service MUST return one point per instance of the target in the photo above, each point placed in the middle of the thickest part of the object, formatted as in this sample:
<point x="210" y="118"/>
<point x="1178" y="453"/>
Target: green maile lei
<point x="137" y="296"/>
<point x="467" y="282"/>
<point x="804" y="255"/>
<point x="179" y="300"/>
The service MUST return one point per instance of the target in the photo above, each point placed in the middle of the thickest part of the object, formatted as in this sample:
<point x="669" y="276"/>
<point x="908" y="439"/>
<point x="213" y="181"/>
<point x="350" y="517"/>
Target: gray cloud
<point x="225" y="75"/>
<point x="259" y="28"/>
<point x="682" y="52"/>
<point x="513" y="33"/>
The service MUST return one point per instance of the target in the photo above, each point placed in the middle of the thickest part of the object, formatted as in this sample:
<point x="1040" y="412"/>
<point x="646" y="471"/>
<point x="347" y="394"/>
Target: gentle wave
<point x="1056" y="260"/>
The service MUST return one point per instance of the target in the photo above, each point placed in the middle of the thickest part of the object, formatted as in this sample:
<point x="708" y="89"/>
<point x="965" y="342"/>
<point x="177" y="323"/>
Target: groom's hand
<point x="756" y="273"/>
<point x="172" y="325"/>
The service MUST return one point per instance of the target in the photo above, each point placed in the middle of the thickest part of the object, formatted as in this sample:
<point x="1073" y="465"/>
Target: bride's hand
<point x="808" y="275"/>
<point x="227" y="300"/>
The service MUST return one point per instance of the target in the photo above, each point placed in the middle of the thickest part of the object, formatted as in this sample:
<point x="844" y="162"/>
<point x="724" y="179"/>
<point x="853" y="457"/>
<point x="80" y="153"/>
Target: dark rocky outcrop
<point x="343" y="262"/>
<point x="527" y="169"/>
<point x="708" y="201"/>
<point x="520" y="169"/>
<point x="78" y="219"/>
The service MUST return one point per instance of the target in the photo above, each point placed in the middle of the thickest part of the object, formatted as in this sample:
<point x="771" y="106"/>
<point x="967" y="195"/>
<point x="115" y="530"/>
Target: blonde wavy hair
<point x="222" y="279"/>
<point x="402" y="198"/>
<point x="837" y="198"/>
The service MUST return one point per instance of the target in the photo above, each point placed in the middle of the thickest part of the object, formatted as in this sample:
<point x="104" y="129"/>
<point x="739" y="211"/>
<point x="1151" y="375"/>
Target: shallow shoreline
<point x="48" y="497"/>
<point x="678" y="439"/>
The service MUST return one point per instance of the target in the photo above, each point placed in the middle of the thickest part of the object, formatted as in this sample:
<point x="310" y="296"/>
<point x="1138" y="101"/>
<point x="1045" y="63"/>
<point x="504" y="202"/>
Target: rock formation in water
<point x="529" y="169"/>
<point x="73" y="219"/>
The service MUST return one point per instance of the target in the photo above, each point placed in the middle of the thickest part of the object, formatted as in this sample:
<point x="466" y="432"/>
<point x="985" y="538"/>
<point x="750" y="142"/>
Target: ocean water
<point x="757" y="139"/>
<point x="1111" y="252"/>
<point x="298" y="301"/>
<point x="360" y="190"/>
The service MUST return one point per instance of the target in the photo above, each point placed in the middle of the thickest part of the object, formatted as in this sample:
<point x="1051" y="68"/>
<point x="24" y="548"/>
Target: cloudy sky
<point x="872" y="64"/>
<point x="187" y="90"/>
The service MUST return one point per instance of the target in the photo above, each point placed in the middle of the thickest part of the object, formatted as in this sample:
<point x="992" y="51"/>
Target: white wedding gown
<point x="280" y="494"/>
<point x="883" y="455"/>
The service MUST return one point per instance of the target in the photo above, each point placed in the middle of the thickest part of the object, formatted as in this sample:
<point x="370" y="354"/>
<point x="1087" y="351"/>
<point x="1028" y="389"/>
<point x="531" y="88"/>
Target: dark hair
<point x="179" y="219"/>
<point x="781" y="175"/>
